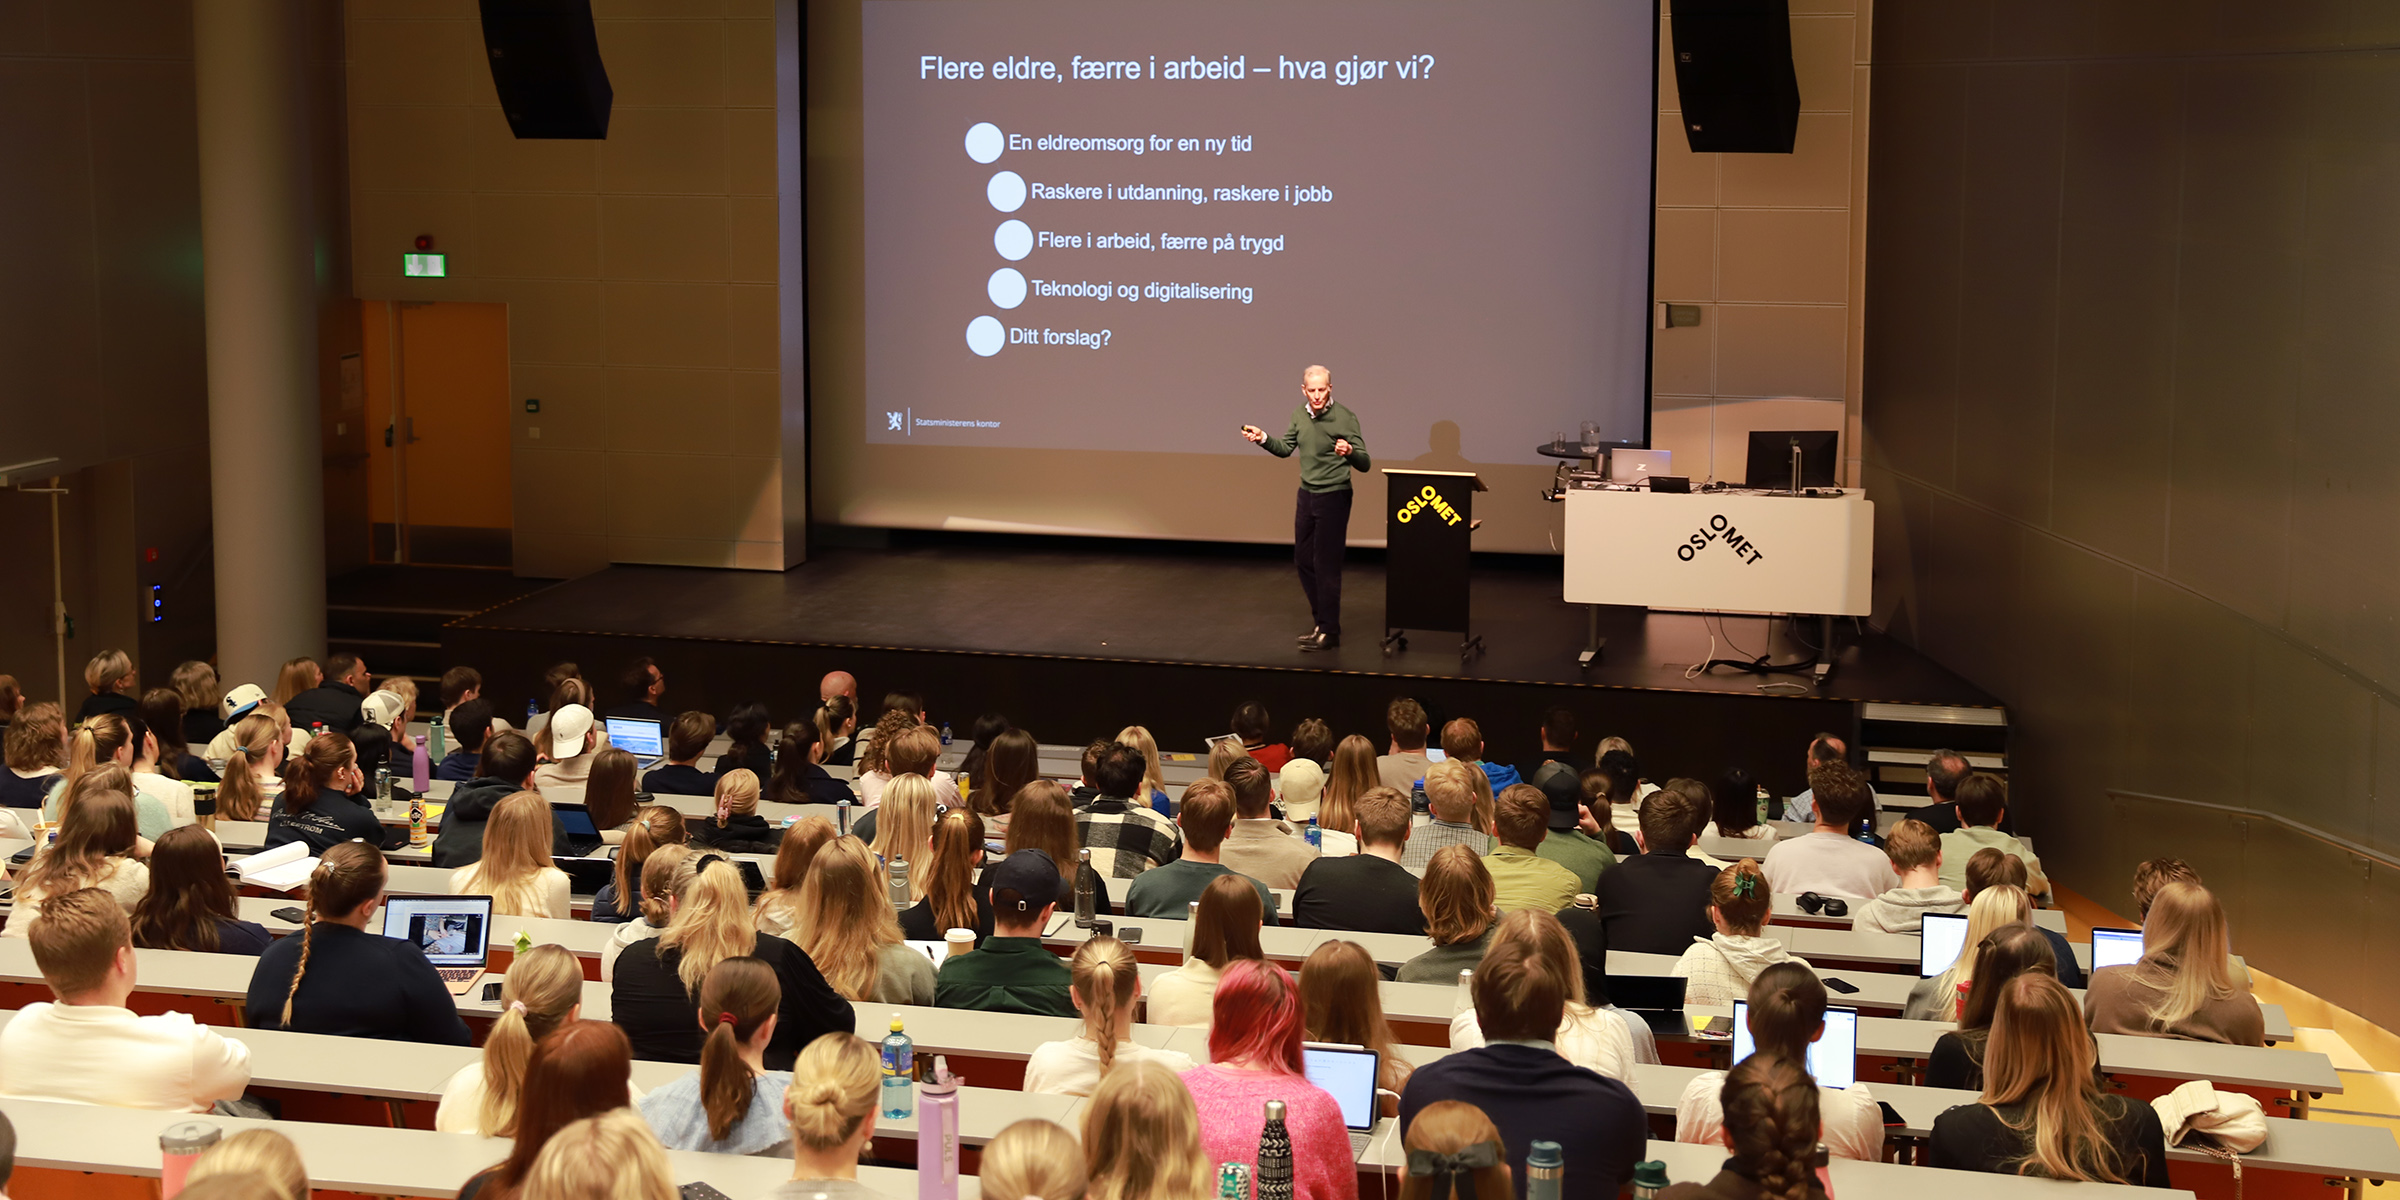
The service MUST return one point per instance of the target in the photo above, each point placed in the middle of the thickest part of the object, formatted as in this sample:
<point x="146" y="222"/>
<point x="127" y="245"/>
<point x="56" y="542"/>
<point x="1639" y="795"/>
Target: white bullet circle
<point x="1007" y="287"/>
<point x="985" y="336"/>
<point x="1014" y="240"/>
<point x="984" y="142"/>
<point x="1006" y="191"/>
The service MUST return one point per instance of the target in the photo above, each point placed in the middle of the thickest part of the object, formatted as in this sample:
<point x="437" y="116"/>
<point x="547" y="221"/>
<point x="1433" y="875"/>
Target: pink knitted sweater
<point x="1233" y="1108"/>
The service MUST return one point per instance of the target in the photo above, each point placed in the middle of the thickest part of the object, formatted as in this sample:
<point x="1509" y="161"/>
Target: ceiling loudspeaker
<point x="546" y="65"/>
<point x="1733" y="70"/>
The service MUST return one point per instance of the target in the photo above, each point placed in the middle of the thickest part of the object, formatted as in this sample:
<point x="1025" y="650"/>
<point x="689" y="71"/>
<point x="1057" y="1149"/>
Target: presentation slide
<point x="1129" y="227"/>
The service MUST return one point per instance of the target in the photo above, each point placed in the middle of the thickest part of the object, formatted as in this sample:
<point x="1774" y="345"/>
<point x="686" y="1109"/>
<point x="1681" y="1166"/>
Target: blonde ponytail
<point x="714" y="922"/>
<point x="1104" y="974"/>
<point x="543" y="986"/>
<point x="240" y="797"/>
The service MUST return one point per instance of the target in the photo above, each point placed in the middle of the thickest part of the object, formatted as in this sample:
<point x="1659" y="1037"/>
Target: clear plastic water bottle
<point x="899" y="1073"/>
<point x="533" y="708"/>
<point x="1545" y="1171"/>
<point x="1466" y="992"/>
<point x="945" y="733"/>
<point x="841" y="818"/>
<point x="899" y="886"/>
<point x="383" y="789"/>
<point x="1087" y="889"/>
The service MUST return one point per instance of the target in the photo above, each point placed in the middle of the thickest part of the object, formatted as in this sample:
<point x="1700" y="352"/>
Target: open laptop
<point x="455" y="932"/>
<point x="1832" y="1059"/>
<point x="1348" y="1074"/>
<point x="2116" y="947"/>
<point x="1943" y="940"/>
<point x="1633" y="466"/>
<point x="1656" y="999"/>
<point x="583" y="836"/>
<point x="586" y="876"/>
<point x="640" y="737"/>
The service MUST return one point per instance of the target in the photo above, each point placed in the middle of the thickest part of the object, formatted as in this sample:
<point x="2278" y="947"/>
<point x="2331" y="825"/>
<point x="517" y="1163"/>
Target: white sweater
<point x="104" y="1055"/>
<point x="1593" y="1038"/>
<point x="557" y="902"/>
<point x="1850" y="1122"/>
<point x="1721" y="967"/>
<point x="1185" y="996"/>
<point x="1072" y="1067"/>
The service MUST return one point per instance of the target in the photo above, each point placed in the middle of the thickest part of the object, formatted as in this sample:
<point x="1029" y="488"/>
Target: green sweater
<point x="1007" y="974"/>
<point x="1321" y="470"/>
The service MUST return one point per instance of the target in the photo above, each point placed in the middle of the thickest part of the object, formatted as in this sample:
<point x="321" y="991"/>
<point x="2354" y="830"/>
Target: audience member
<point x="851" y="932"/>
<point x="1250" y="725"/>
<point x="96" y="848"/>
<point x="568" y="742"/>
<point x="1312" y="740"/>
<point x="1254" y="1056"/>
<point x="161" y="712"/>
<point x="1224" y="753"/>
<point x="1827" y="859"/>
<point x="112" y="681"/>
<point x="1455" y="1151"/>
<point x="1531" y="1093"/>
<point x="778" y="908"/>
<point x="1351" y="776"/>
<point x="1574" y="840"/>
<point x="2182" y="987"/>
<point x="736" y="827"/>
<point x="1656" y="902"/>
<point x="1043" y="819"/>
<point x="1982" y="803"/>
<point x="654" y="904"/>
<point x="1937" y="997"/>
<point x="334" y="703"/>
<point x="1404" y="767"/>
<point x="1141" y="1139"/>
<point x="1259" y="846"/>
<point x="470" y="725"/>
<point x="1035" y="1160"/>
<point x="837" y="730"/>
<point x="1106" y="982"/>
<point x="2009" y="951"/>
<point x="1521" y="877"/>
<point x="1822" y="749"/>
<point x="1126" y="835"/>
<point x="903" y="827"/>
<point x="1012" y="971"/>
<point x="1451" y="793"/>
<point x="2151" y="875"/>
<point x="1154" y="771"/>
<point x="620" y="899"/>
<point x="1916" y="854"/>
<point x="110" y="743"/>
<point x="954" y="897"/>
<point x="610" y="796"/>
<point x="1991" y="868"/>
<point x="733" y="1103"/>
<point x="294" y="677"/>
<point x="1299" y="789"/>
<point x="459" y="685"/>
<point x="1770" y="1111"/>
<point x="255" y="1156"/>
<point x="195" y="683"/>
<point x="1944" y="771"/>
<point x="831" y="1106"/>
<point x="505" y="769"/>
<point x="1462" y="741"/>
<point x="1787" y="1013"/>
<point x="1557" y="733"/>
<point x="687" y="740"/>
<point x="746" y="729"/>
<point x="383" y="728"/>
<point x="640" y="688"/>
<point x="1224" y="928"/>
<point x="1341" y="997"/>
<point x="581" y="1069"/>
<point x="656" y="978"/>
<point x="1621" y="782"/>
<point x="1598" y="1039"/>
<point x="2043" y="1110"/>
<point x="543" y="990"/>
<point x="174" y="796"/>
<point x="337" y="978"/>
<point x="1369" y="891"/>
<point x="88" y="1047"/>
<point x="190" y="904"/>
<point x="1011" y="760"/>
<point x="37" y="754"/>
<point x="1734" y="811"/>
<point x="612" y="1156"/>
<point x="1456" y="898"/>
<point x="1204" y="817"/>
<point x="901" y="748"/>
<point x="800" y="777"/>
<point x="515" y="870"/>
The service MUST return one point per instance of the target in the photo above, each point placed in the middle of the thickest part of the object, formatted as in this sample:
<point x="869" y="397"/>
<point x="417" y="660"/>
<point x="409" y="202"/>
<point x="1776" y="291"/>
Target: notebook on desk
<point x="455" y="932"/>
<point x="640" y="737"/>
<point x="1349" y="1075"/>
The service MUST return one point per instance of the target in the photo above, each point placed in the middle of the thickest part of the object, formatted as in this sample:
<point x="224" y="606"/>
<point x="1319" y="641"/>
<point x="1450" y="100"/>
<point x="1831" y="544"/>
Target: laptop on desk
<point x="1349" y="1075"/>
<point x="1942" y="938"/>
<point x="2116" y="947"/>
<point x="1832" y="1059"/>
<point x="586" y="876"/>
<point x="1656" y="999"/>
<point x="640" y="737"/>
<point x="583" y="836"/>
<point x="455" y="932"/>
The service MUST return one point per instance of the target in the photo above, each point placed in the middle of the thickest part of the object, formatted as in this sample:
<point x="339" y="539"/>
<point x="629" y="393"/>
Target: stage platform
<point x="1075" y="639"/>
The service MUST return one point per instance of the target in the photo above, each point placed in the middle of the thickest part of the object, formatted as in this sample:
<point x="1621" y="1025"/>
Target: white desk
<point x="1749" y="553"/>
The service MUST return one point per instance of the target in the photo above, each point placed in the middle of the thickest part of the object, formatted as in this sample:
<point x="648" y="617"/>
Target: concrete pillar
<point x="266" y="477"/>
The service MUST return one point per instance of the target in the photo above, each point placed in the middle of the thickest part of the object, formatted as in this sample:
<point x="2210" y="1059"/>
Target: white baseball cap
<point x="382" y="708"/>
<point x="567" y="729"/>
<point x="238" y="702"/>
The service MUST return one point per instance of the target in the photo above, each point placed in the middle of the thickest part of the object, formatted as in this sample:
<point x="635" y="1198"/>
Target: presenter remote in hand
<point x="1326" y="438"/>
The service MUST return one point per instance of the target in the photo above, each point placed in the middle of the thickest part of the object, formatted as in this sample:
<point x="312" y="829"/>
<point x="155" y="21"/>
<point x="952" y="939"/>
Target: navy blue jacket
<point x="1532" y="1094"/>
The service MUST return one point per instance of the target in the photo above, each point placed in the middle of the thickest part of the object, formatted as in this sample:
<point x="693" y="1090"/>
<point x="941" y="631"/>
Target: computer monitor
<point x="453" y="931"/>
<point x="1833" y="1059"/>
<point x="637" y="736"/>
<point x="1348" y="1074"/>
<point x="1944" y="937"/>
<point x="1770" y="464"/>
<point x="2116" y="947"/>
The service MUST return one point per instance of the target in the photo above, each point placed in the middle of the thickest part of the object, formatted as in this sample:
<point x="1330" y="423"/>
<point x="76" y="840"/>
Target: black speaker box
<point x="546" y="64"/>
<point x="1733" y="69"/>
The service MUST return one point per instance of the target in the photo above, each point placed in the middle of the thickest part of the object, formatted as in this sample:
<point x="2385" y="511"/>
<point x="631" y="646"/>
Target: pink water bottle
<point x="937" y="1134"/>
<point x="423" y="774"/>
<point x="178" y="1148"/>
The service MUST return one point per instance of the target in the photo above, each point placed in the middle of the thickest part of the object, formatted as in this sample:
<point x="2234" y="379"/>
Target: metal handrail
<point x="2309" y="831"/>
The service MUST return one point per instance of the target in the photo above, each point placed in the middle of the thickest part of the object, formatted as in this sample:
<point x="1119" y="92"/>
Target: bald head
<point x="837" y="683"/>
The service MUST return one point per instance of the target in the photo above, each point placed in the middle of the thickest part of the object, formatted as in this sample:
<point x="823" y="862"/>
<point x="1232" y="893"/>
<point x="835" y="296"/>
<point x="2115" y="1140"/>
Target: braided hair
<point x="348" y="875"/>
<point x="1771" y="1121"/>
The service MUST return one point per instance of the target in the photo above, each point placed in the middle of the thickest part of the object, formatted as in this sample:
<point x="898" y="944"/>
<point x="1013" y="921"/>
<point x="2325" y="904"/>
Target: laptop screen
<point x="453" y="931"/>
<point x="2116" y="947"/>
<point x="1347" y="1073"/>
<point x="576" y="820"/>
<point x="1832" y="1059"/>
<point x="1945" y="936"/>
<point x="636" y="736"/>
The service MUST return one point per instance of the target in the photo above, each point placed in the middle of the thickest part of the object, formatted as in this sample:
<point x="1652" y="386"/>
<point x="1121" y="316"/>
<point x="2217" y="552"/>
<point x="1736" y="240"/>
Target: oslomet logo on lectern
<point x="1717" y="530"/>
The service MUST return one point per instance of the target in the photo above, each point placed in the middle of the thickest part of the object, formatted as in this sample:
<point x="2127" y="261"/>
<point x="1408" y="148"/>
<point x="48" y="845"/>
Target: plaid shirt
<point x="1126" y="839"/>
<point x="1426" y="840"/>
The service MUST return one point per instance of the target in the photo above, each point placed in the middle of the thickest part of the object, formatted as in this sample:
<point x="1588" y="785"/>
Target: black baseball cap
<point x="1023" y="882"/>
<point x="1566" y="799"/>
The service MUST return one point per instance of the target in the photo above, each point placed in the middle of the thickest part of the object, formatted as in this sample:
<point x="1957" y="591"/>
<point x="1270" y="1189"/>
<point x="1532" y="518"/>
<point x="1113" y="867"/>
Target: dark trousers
<point x="1320" y="532"/>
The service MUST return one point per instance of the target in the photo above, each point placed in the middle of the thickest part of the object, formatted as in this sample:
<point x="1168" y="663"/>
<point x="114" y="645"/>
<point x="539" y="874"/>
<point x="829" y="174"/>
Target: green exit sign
<point x="425" y="266"/>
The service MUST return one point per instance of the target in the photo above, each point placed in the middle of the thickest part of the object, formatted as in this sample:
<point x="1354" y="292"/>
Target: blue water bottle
<point x="533" y="708"/>
<point x="1315" y="836"/>
<point x="899" y="1073"/>
<point x="945" y="733"/>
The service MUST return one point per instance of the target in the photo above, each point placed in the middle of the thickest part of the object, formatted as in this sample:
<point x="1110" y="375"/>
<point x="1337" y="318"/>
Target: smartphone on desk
<point x="1715" y="1029"/>
<point x="700" y="1191"/>
<point x="1843" y="986"/>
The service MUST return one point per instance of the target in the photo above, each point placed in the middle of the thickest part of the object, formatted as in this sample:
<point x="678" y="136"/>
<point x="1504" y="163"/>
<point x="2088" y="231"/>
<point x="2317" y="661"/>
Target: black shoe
<point x="1311" y="635"/>
<point x="1322" y="641"/>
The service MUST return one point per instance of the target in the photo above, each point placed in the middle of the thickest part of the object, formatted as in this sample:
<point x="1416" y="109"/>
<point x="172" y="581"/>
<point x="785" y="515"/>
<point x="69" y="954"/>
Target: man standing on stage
<point x="1326" y="437"/>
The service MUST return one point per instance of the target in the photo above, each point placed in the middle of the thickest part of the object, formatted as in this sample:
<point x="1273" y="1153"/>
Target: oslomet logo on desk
<point x="1719" y="530"/>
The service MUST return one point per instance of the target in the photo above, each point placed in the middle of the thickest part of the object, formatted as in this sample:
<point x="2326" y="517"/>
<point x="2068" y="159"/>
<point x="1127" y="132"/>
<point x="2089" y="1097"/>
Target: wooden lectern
<point x="1429" y="522"/>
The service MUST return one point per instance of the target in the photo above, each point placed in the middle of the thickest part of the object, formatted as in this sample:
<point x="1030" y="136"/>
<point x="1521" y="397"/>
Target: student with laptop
<point x="515" y="870"/>
<point x="1916" y="853"/>
<point x="2148" y="877"/>
<point x="1341" y="997"/>
<point x="1827" y="859"/>
<point x="2044" y="1110"/>
<point x="2182" y="987"/>
<point x="505" y="769"/>
<point x="686" y="741"/>
<point x="1531" y="1093"/>
<point x="1936" y="997"/>
<point x="339" y="977"/>
<point x="1785" y="1016"/>
<point x="1991" y="868"/>
<point x="1107" y="981"/>
<point x="1255" y="1055"/>
<point x="656" y="978"/>
<point x="1957" y="1059"/>
<point x="87" y="1047"/>
<point x="471" y="725"/>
